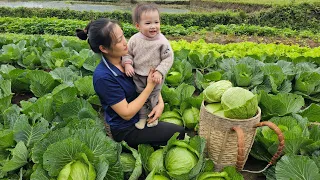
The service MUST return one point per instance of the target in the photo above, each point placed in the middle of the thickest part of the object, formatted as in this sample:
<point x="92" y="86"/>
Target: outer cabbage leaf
<point x="85" y="86"/>
<point x="57" y="57"/>
<point x="63" y="152"/>
<point x="64" y="75"/>
<point x="153" y="176"/>
<point x="115" y="172"/>
<point x="137" y="171"/>
<point x="78" y="59"/>
<point x="5" y="94"/>
<point x="308" y="83"/>
<point x="280" y="104"/>
<point x="41" y="82"/>
<point x="19" y="81"/>
<point x="11" y="115"/>
<point x="19" y="158"/>
<point x="296" y="167"/>
<point x="239" y="103"/>
<point x="43" y="106"/>
<point x="99" y="144"/>
<point x="78" y="108"/>
<point x="145" y="150"/>
<point x="64" y="95"/>
<point x="312" y="112"/>
<point x="214" y="91"/>
<point x="274" y="76"/>
<point x="50" y="138"/>
<point x="92" y="62"/>
<point x="30" y="134"/>
<point x="39" y="173"/>
<point x="6" y="139"/>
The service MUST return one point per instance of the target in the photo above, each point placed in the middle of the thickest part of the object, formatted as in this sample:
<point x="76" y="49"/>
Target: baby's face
<point x="149" y="24"/>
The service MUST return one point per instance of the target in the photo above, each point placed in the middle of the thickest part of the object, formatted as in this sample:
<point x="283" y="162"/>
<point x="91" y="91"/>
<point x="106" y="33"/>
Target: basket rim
<point x="233" y="120"/>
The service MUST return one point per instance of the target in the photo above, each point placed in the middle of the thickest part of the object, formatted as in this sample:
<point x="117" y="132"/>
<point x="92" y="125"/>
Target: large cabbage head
<point x="180" y="160"/>
<point x="215" y="90"/>
<point x="239" y="103"/>
<point x="155" y="161"/>
<point x="78" y="169"/>
<point x="128" y="162"/>
<point x="174" y="78"/>
<point x="191" y="117"/>
<point x="172" y="117"/>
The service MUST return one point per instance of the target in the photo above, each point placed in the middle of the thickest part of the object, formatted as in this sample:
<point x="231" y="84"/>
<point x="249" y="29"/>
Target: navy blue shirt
<point x="112" y="86"/>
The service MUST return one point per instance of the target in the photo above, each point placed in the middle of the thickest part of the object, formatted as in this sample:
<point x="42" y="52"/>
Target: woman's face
<point x="119" y="43"/>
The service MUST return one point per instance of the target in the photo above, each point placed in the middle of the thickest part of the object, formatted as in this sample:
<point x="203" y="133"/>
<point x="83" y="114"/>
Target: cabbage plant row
<point x="58" y="74"/>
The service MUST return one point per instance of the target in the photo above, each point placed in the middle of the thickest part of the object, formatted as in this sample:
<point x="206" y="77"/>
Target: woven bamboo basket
<point x="229" y="141"/>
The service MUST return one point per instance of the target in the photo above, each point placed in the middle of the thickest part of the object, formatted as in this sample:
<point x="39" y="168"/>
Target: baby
<point x="147" y="49"/>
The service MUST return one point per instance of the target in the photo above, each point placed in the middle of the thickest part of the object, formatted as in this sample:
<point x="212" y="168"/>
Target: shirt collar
<point x="114" y="70"/>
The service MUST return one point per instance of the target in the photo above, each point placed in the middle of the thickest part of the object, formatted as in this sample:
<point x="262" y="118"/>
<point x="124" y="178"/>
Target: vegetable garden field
<point x="51" y="122"/>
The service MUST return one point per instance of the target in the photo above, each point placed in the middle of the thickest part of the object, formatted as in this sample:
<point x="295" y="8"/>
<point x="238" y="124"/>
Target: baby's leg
<point x="154" y="99"/>
<point x="140" y="82"/>
<point x="143" y="116"/>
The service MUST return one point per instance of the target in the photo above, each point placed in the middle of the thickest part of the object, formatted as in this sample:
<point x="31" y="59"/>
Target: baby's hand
<point x="157" y="77"/>
<point x="129" y="70"/>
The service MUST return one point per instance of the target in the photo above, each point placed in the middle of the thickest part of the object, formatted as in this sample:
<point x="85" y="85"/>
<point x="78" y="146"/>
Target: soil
<point x="17" y="97"/>
<point x="211" y="37"/>
<point x="253" y="164"/>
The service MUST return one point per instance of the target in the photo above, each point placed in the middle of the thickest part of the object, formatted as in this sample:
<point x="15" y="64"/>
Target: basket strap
<point x="280" y="147"/>
<point x="241" y="148"/>
<point x="280" y="138"/>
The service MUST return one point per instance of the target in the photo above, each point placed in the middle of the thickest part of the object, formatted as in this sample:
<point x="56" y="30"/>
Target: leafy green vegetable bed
<point x="58" y="128"/>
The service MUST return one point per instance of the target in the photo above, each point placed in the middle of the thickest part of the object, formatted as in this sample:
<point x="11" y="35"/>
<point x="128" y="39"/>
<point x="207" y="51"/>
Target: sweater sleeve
<point x="166" y="59"/>
<point x="129" y="57"/>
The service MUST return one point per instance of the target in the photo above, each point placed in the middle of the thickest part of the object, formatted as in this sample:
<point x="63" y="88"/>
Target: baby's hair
<point x="98" y="32"/>
<point x="141" y="8"/>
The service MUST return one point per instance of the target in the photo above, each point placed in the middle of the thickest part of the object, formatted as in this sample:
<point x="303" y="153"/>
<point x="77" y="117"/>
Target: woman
<point x="117" y="92"/>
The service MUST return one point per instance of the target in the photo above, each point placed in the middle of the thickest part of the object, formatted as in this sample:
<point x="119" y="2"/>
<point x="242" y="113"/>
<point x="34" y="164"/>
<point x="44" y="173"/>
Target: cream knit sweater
<point x="145" y="53"/>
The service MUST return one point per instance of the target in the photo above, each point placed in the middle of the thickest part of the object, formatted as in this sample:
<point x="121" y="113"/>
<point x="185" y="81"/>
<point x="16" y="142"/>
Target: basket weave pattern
<point x="222" y="141"/>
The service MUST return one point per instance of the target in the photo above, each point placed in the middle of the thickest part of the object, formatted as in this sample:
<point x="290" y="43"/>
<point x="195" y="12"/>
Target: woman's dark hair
<point x="98" y="32"/>
<point x="141" y="8"/>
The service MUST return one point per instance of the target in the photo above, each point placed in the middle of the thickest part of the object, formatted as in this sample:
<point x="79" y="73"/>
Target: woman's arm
<point x="128" y="110"/>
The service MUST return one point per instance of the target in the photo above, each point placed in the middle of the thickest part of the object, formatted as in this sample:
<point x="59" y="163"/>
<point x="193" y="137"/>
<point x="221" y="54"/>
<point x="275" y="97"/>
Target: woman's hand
<point x="150" y="78"/>
<point x="156" y="112"/>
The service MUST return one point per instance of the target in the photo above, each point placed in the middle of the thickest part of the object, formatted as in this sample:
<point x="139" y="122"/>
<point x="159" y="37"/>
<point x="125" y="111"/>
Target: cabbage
<point x="172" y="117"/>
<point x="159" y="177"/>
<point x="127" y="161"/>
<point x="213" y="176"/>
<point x="174" y="78"/>
<point x="213" y="107"/>
<point x="153" y="176"/>
<point x="155" y="161"/>
<point x="173" y="121"/>
<point x="220" y="113"/>
<point x="191" y="117"/>
<point x="78" y="169"/>
<point x="179" y="160"/>
<point x="239" y="103"/>
<point x="215" y="90"/>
